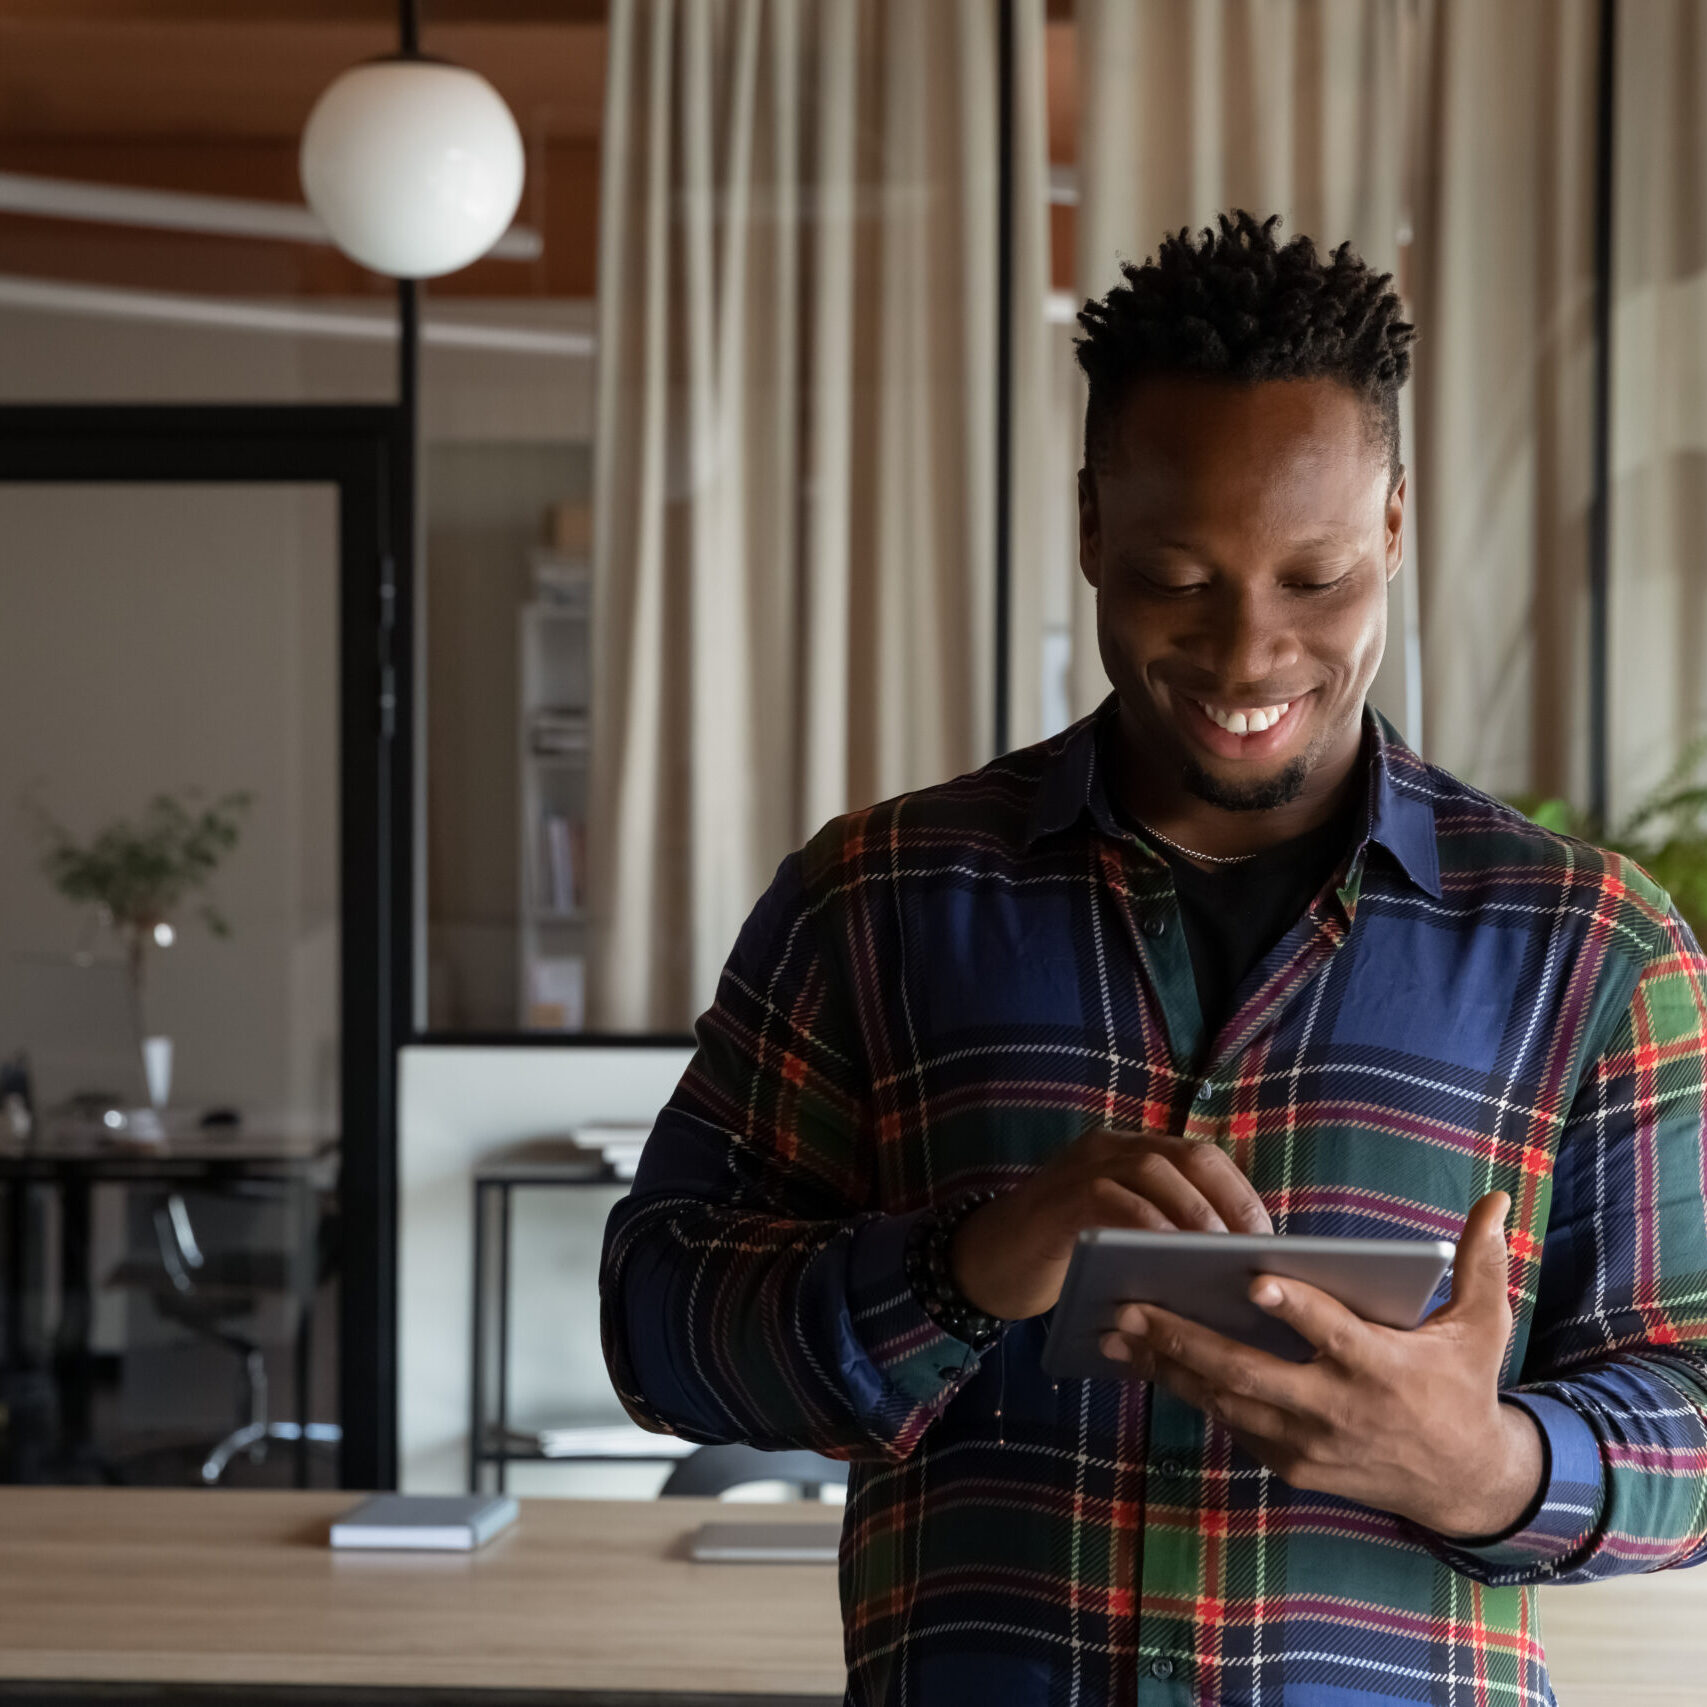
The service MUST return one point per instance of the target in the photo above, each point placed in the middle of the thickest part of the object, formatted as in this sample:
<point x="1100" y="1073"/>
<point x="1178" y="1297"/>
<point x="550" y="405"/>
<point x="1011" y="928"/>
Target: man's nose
<point x="1250" y="642"/>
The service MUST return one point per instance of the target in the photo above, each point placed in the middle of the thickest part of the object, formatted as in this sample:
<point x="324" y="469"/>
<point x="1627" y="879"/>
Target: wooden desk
<point x="590" y="1600"/>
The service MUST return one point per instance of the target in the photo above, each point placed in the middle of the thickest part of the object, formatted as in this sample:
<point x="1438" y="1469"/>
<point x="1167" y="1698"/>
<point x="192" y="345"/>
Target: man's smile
<point x="1240" y="731"/>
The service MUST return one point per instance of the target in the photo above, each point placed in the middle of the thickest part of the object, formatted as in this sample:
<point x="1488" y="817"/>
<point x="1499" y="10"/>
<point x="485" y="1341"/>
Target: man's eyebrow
<point x="1154" y="547"/>
<point x="1333" y="540"/>
<point x="1336" y="540"/>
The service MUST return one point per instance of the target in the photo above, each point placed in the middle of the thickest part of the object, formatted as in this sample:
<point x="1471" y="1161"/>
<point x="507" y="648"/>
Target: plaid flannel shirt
<point x="940" y="991"/>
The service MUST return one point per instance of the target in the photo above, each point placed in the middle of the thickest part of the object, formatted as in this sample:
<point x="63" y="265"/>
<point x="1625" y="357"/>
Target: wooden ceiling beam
<point x="244" y="12"/>
<point x="216" y="81"/>
<point x="560" y="199"/>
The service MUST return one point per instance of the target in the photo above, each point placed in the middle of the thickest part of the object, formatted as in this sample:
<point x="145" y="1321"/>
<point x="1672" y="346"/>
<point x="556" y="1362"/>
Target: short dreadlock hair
<point x="1237" y="305"/>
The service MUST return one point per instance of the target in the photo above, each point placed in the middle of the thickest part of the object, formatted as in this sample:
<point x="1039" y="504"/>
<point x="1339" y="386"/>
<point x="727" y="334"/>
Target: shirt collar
<point x="1397" y="813"/>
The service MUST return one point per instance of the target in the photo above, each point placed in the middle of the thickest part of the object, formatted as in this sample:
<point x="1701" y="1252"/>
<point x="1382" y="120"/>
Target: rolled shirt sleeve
<point x="1615" y="1373"/>
<point x="749" y="1289"/>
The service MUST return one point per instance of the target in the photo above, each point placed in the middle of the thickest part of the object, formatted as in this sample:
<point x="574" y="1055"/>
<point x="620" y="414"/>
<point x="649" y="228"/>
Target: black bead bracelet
<point x="931" y="1275"/>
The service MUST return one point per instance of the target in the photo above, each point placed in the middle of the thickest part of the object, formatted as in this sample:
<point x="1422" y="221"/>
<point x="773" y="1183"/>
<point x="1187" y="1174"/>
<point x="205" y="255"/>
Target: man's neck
<point x="1164" y="804"/>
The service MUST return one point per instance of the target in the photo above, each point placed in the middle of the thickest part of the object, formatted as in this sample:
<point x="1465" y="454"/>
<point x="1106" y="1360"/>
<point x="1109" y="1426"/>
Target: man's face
<point x="1240" y="540"/>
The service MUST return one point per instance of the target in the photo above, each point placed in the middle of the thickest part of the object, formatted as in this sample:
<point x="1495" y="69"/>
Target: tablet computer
<point x="1206" y="1276"/>
<point x="766" y="1543"/>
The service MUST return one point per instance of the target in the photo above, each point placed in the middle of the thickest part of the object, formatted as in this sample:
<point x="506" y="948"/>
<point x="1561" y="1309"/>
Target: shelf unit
<point x="493" y="1443"/>
<point x="554" y="678"/>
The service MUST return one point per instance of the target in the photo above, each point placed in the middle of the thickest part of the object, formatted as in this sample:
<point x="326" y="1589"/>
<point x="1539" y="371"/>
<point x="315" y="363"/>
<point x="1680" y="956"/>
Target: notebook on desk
<point x="443" y="1523"/>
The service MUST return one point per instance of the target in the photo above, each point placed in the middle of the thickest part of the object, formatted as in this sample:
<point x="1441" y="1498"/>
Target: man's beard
<point x="1286" y="784"/>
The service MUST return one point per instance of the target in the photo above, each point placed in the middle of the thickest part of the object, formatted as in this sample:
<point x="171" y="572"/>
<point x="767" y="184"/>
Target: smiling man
<point x="1226" y="955"/>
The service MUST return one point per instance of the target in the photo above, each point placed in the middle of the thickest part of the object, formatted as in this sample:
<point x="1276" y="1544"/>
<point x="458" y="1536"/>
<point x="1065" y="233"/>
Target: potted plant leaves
<point x="139" y="874"/>
<point x="1666" y="832"/>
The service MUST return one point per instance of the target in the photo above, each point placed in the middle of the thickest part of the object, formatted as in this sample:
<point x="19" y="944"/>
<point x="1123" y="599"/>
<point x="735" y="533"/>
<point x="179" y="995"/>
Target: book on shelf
<point x="569" y="527"/>
<point x="558" y="729"/>
<point x="557" y="993"/>
<point x="565" y="864"/>
<point x="562" y="581"/>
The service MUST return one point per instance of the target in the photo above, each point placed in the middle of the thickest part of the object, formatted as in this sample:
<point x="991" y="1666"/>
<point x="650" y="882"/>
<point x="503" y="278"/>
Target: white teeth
<point x="1247" y="722"/>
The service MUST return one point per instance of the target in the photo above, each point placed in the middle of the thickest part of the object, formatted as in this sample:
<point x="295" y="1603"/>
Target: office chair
<point x="712" y="1471"/>
<point x="208" y="1294"/>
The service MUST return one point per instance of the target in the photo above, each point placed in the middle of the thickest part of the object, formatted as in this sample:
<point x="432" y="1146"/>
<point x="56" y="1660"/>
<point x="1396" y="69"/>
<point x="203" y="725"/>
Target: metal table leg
<point x="504" y="1203"/>
<point x="308" y="1277"/>
<point x="477" y="1348"/>
<point x="71" y="1346"/>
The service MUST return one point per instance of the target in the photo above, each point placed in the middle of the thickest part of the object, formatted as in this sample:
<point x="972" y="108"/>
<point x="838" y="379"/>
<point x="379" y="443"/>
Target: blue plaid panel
<point x="1426" y="984"/>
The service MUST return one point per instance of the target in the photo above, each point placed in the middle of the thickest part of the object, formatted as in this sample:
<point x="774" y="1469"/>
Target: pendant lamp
<point x="413" y="165"/>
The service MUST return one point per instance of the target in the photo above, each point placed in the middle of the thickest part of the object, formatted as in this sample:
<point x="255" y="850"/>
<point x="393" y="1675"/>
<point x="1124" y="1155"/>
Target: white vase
<point x="157" y="1069"/>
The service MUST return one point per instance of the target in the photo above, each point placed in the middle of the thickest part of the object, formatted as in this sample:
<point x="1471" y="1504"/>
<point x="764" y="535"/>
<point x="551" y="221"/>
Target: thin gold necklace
<point x="1192" y="853"/>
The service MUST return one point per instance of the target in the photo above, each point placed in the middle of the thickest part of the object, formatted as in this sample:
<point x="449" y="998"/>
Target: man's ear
<point x="1090" y="530"/>
<point x="1395" y="526"/>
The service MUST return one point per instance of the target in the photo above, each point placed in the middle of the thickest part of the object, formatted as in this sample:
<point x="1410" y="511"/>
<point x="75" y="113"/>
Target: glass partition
<point x="170" y="981"/>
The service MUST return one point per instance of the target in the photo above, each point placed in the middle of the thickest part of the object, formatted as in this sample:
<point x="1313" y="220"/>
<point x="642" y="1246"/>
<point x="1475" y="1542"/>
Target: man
<point x="1225" y="955"/>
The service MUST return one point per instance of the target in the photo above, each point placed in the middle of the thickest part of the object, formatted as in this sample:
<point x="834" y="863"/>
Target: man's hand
<point x="1406" y="1421"/>
<point x="1010" y="1256"/>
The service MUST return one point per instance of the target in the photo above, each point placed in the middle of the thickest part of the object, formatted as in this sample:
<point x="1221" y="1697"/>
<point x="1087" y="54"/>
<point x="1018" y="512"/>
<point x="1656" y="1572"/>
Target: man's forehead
<point x="1176" y="409"/>
<point x="1187" y="450"/>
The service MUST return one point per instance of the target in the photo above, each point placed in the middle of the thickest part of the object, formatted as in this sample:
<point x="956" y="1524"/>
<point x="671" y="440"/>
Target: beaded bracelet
<point x="931" y="1274"/>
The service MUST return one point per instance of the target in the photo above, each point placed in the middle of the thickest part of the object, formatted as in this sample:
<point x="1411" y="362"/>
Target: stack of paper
<point x="619" y="1144"/>
<point x="610" y="1440"/>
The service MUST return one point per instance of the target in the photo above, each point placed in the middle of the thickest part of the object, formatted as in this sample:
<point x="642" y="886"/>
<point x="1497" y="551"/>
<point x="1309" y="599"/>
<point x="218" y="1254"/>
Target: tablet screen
<point x="1207" y="1276"/>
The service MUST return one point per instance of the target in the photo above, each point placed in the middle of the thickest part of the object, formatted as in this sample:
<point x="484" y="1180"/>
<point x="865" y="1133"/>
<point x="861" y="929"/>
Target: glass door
<point x="170" y="981"/>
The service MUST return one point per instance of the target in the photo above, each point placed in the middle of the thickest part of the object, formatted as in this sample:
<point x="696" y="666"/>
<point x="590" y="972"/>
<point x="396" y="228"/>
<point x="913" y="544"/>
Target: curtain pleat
<point x="1503" y="290"/>
<point x="795" y="484"/>
<point x="1037" y="500"/>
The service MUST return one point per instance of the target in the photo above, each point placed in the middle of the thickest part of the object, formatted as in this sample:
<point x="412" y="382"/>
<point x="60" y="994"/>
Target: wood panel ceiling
<point x="211" y="96"/>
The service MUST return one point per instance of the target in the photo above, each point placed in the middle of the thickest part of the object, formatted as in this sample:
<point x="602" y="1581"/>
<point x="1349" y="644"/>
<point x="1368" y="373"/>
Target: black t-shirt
<point x="1234" y="914"/>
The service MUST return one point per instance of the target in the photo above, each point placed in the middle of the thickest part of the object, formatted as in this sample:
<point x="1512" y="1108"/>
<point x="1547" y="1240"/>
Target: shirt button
<point x="1205" y="1091"/>
<point x="1169" y="1467"/>
<point x="1155" y="924"/>
<point x="1161" y="1668"/>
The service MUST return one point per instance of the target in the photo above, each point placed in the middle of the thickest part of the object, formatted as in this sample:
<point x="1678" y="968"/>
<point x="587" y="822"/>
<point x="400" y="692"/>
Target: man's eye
<point x="1173" y="589"/>
<point x="1322" y="586"/>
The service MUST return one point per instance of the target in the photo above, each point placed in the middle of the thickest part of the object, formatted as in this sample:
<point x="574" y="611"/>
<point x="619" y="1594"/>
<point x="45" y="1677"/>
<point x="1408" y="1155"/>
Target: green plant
<point x="1666" y="833"/>
<point x="139" y="872"/>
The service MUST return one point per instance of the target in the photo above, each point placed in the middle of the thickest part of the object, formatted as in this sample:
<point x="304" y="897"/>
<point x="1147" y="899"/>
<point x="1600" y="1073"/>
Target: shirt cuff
<point x="1567" y="1506"/>
<point x="913" y="1355"/>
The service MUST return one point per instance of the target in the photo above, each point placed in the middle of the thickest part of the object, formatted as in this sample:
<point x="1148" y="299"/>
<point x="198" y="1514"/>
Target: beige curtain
<point x="1503" y="288"/>
<point x="794" y="492"/>
<point x="1036" y="502"/>
<point x="1658" y="638"/>
<point x="1192" y="107"/>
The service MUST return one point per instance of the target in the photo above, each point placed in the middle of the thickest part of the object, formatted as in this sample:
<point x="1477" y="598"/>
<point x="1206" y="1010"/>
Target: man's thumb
<point x="1479" y="1271"/>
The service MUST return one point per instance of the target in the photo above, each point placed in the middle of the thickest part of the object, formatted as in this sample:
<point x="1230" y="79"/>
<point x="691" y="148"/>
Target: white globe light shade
<point x="414" y="167"/>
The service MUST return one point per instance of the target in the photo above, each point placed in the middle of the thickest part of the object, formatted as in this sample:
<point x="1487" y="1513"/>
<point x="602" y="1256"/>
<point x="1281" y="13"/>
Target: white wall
<point x="457" y="1105"/>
